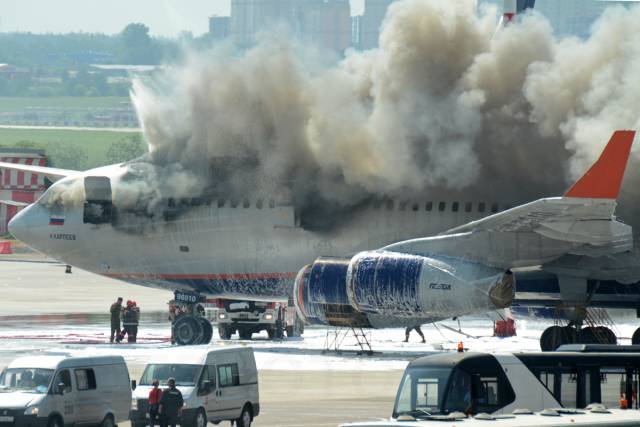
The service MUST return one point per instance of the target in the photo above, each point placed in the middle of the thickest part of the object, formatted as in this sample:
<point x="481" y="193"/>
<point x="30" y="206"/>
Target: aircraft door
<point x="98" y="205"/>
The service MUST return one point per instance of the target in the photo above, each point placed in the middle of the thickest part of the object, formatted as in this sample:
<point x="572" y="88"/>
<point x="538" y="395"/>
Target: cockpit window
<point x="63" y="194"/>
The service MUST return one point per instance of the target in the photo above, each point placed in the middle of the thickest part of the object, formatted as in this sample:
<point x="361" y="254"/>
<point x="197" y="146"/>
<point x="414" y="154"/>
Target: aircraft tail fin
<point x="604" y="178"/>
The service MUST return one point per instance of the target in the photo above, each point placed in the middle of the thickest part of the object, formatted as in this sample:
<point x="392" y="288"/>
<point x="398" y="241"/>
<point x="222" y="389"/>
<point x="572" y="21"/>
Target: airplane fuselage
<point x="250" y="248"/>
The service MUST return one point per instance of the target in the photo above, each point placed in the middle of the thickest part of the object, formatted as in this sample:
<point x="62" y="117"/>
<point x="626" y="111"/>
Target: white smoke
<point x="442" y="104"/>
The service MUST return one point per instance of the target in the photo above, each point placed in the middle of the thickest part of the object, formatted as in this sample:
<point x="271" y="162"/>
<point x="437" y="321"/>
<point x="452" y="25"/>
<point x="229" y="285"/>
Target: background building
<point x="219" y="27"/>
<point x="325" y="23"/>
<point x="19" y="186"/>
<point x="371" y="22"/>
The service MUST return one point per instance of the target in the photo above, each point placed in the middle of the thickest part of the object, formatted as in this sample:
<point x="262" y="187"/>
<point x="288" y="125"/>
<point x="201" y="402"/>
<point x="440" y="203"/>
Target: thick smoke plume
<point x="445" y="104"/>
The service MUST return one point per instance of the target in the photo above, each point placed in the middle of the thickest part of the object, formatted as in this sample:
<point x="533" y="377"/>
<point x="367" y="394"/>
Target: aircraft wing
<point x="592" y="198"/>
<point x="581" y="222"/>
<point x="13" y="203"/>
<point x="53" y="174"/>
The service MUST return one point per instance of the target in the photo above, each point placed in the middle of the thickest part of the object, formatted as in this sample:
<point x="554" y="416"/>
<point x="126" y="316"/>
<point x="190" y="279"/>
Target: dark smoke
<point x="443" y="105"/>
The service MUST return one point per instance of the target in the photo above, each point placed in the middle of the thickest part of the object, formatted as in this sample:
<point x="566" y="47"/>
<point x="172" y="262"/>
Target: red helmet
<point x="129" y="303"/>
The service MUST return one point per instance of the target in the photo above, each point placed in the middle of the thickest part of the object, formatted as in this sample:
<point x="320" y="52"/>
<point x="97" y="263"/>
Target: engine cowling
<point x="385" y="289"/>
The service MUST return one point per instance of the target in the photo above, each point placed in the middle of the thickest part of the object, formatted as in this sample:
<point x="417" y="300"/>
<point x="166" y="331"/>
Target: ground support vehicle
<point x="58" y="391"/>
<point x="216" y="385"/>
<point x="250" y="317"/>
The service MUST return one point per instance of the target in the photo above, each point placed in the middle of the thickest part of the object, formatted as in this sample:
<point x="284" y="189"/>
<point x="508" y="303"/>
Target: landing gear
<point x="635" y="339"/>
<point x="191" y="327"/>
<point x="555" y="336"/>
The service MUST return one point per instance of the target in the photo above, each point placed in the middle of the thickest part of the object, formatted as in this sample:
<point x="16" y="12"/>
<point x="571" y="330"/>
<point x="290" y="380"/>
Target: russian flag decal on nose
<point x="56" y="220"/>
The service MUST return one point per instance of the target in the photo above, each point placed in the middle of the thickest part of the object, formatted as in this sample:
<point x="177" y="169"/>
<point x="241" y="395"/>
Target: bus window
<point x="569" y="389"/>
<point x="548" y="380"/>
<point x="612" y="385"/>
<point x="459" y="396"/>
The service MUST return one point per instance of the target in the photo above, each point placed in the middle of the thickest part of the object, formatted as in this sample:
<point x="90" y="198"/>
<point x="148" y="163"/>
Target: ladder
<point x="334" y="340"/>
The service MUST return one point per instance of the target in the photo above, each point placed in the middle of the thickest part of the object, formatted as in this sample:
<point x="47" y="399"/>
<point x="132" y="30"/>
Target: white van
<point x="217" y="385"/>
<point x="57" y="391"/>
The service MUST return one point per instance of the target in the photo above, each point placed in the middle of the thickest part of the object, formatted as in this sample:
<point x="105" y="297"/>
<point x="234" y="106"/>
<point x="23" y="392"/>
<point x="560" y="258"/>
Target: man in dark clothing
<point x="130" y="320"/>
<point x="418" y="330"/>
<point x="116" y="311"/>
<point x="171" y="404"/>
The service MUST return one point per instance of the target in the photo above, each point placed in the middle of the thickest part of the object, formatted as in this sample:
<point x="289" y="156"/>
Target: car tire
<point x="108" y="421"/>
<point x="246" y="417"/>
<point x="200" y="419"/>
<point x="55" y="421"/>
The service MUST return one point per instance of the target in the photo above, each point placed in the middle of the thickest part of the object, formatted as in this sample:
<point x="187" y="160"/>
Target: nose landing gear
<point x="191" y="327"/>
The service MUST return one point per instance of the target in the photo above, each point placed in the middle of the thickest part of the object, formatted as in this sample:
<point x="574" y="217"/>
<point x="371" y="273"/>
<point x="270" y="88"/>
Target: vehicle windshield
<point x="433" y="391"/>
<point x="32" y="380"/>
<point x="185" y="375"/>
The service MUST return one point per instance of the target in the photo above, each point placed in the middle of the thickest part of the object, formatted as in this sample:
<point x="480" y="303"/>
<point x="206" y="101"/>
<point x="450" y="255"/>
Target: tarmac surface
<point x="45" y="309"/>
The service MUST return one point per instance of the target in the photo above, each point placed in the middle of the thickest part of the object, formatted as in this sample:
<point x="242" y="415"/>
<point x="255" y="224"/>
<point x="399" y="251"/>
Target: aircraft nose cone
<point x="19" y="225"/>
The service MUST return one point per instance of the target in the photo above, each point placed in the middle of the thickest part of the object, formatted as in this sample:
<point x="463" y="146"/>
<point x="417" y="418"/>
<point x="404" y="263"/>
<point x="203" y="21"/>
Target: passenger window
<point x="246" y="204"/>
<point x="390" y="205"/>
<point x="612" y="385"/>
<point x="468" y="207"/>
<point x="376" y="205"/>
<point x="272" y="204"/>
<point x="221" y="203"/>
<point x="428" y="207"/>
<point x="488" y="391"/>
<point x="85" y="379"/>
<point x="259" y="204"/>
<point x="442" y="206"/>
<point x="481" y="207"/>
<point x="63" y="377"/>
<point x="494" y="208"/>
<point x="228" y="375"/>
<point x="427" y="393"/>
<point x="569" y="390"/>
<point x="548" y="380"/>
<point x="455" y="206"/>
<point x="403" y="206"/>
<point x="234" y="203"/>
<point x="415" y="207"/>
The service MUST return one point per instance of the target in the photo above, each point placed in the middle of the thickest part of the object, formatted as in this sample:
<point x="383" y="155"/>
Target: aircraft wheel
<point x="207" y="330"/>
<point x="555" y="336"/>
<point x="188" y="330"/>
<point x="635" y="339"/>
<point x="588" y="335"/>
<point x="606" y="335"/>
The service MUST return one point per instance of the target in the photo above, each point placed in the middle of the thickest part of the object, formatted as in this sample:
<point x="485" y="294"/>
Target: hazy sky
<point x="164" y="17"/>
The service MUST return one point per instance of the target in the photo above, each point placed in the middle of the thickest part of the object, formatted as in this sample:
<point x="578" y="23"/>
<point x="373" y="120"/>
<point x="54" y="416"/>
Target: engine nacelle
<point x="320" y="294"/>
<point x="387" y="289"/>
<point x="403" y="285"/>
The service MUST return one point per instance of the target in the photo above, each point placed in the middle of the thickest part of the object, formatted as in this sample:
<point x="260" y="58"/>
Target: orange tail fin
<point x="604" y="178"/>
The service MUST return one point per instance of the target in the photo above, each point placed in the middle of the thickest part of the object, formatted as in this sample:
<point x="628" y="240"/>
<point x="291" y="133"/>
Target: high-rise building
<point x="371" y="22"/>
<point x="325" y="23"/>
<point x="219" y="27"/>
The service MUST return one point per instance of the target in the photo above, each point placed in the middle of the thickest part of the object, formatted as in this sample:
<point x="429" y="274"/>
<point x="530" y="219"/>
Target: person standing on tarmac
<point x="155" y="395"/>
<point x="116" y="312"/>
<point x="129" y="322"/>
<point x="171" y="404"/>
<point x="418" y="330"/>
<point x="136" y="321"/>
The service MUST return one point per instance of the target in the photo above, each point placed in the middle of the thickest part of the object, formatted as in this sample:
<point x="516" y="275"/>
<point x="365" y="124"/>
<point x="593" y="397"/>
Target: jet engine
<point x="387" y="289"/>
